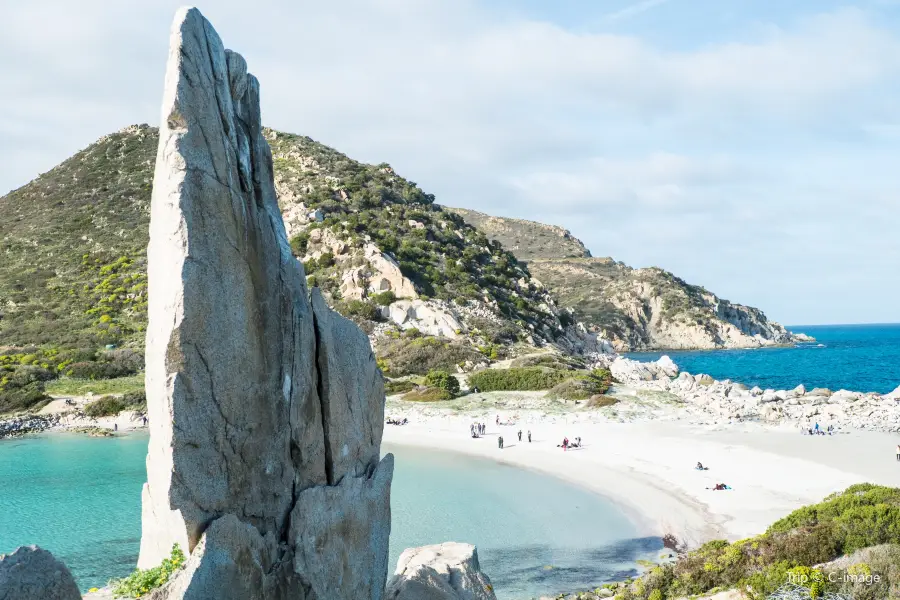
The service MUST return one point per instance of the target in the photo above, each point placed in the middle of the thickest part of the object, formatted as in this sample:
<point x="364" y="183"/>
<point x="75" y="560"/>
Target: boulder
<point x="703" y="379"/>
<point x="668" y="366"/>
<point x="448" y="571"/>
<point x="266" y="408"/>
<point x="32" y="573"/>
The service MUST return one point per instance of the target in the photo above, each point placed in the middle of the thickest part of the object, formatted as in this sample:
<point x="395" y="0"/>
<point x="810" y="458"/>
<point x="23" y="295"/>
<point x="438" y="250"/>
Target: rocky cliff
<point x="636" y="309"/>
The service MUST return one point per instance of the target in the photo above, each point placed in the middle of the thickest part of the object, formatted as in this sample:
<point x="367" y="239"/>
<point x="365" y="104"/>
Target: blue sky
<point x="749" y="146"/>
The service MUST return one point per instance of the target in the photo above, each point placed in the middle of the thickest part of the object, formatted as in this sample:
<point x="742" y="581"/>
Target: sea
<point x="80" y="498"/>
<point x="860" y="358"/>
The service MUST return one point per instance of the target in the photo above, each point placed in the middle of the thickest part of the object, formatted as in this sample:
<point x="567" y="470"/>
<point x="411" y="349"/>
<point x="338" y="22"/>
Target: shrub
<point x="28" y="397"/>
<point x="862" y="515"/>
<point x="418" y="354"/>
<point x="427" y="394"/>
<point x="141" y="582"/>
<point x="358" y="308"/>
<point x="383" y="298"/>
<point x="299" y="243"/>
<point x="443" y="380"/>
<point x="601" y="401"/>
<point x="521" y="379"/>
<point x="394" y="386"/>
<point x="105" y="406"/>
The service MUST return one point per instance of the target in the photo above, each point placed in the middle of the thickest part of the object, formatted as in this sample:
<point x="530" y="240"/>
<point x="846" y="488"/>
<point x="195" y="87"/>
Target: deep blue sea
<point x="861" y="358"/>
<point x="80" y="498"/>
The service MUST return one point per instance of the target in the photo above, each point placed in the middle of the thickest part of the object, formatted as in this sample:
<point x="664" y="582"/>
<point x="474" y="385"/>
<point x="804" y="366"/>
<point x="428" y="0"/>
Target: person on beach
<point x="898" y="452"/>
<point x="817" y="428"/>
<point x="565" y="444"/>
<point x="500" y="442"/>
<point x="520" y="435"/>
<point x="529" y="436"/>
<point x="472" y="429"/>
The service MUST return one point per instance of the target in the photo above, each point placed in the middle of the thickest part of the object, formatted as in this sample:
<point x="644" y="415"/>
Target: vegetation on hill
<point x="73" y="274"/>
<point x="637" y="309"/>
<point x="528" y="240"/>
<point x="792" y="550"/>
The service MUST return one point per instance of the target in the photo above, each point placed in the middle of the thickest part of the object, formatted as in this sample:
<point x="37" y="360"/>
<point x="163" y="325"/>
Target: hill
<point x="636" y="309"/>
<point x="431" y="290"/>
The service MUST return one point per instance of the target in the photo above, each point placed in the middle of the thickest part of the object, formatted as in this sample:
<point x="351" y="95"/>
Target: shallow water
<point x="79" y="497"/>
<point x="861" y="358"/>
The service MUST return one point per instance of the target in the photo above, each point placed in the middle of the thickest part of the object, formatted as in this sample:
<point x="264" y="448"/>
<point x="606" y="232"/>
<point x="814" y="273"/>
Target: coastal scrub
<point x="142" y="581"/>
<point x="795" y="550"/>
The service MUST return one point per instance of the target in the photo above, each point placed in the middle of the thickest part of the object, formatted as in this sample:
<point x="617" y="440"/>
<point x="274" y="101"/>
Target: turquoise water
<point x="79" y="497"/>
<point x="862" y="358"/>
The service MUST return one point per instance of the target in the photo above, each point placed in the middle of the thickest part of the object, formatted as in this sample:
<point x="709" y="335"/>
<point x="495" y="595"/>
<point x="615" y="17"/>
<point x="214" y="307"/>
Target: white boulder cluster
<point x="710" y="400"/>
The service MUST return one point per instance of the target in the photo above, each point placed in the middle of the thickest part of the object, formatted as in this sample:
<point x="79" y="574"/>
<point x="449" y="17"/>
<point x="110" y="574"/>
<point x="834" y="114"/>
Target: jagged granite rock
<point x="266" y="410"/>
<point x="32" y="573"/>
<point x="448" y="571"/>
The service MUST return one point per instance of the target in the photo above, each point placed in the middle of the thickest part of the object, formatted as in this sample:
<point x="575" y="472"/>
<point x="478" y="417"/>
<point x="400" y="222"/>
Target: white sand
<point x="648" y="468"/>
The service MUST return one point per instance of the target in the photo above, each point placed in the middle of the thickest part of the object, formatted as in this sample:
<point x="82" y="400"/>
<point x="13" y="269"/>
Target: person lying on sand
<point x="720" y="486"/>
<point x="700" y="467"/>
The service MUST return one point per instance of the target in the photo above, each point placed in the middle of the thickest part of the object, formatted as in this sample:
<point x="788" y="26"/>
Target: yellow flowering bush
<point x="142" y="582"/>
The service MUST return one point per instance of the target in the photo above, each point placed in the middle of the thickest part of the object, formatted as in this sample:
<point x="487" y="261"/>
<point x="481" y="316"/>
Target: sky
<point x="749" y="146"/>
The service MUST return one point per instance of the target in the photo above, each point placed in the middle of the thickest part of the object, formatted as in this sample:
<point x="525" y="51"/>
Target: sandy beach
<point x="647" y="468"/>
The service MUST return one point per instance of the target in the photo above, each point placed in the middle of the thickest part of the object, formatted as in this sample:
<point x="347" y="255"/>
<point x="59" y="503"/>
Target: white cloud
<point x="700" y="159"/>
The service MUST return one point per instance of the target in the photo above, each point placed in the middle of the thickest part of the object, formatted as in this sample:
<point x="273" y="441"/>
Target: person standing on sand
<point x="898" y="451"/>
<point x="500" y="442"/>
<point x="498" y="419"/>
<point x="520" y="435"/>
<point x="529" y="436"/>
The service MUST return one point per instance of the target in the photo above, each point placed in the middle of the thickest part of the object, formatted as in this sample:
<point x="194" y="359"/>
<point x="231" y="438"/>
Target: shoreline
<point x="647" y="469"/>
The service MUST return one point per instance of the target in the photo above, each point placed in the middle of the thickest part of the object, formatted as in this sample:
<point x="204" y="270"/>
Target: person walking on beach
<point x="520" y="435"/>
<point x="898" y="452"/>
<point x="565" y="444"/>
<point x="498" y="419"/>
<point x="817" y="429"/>
<point x="529" y="436"/>
<point x="500" y="442"/>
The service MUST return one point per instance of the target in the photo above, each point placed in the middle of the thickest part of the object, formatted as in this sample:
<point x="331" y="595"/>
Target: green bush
<point x="443" y="380"/>
<point x="582" y="387"/>
<point x="416" y="354"/>
<point x="105" y="406"/>
<point x="141" y="582"/>
<point x="383" y="298"/>
<point x="358" y="308"/>
<point x="863" y="516"/>
<point x="299" y="243"/>
<point x="517" y="379"/>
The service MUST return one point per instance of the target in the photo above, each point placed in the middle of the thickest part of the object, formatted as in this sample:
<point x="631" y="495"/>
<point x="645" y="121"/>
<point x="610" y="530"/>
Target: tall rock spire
<point x="266" y="409"/>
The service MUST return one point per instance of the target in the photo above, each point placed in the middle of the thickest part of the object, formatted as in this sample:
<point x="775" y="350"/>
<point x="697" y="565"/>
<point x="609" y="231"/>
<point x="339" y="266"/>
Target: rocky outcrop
<point x="32" y="573"/>
<point x="266" y="409"/>
<point x="636" y="309"/>
<point x="16" y="426"/>
<point x="448" y="571"/>
<point x="628" y="370"/>
<point x="429" y="317"/>
<point x="705" y="400"/>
